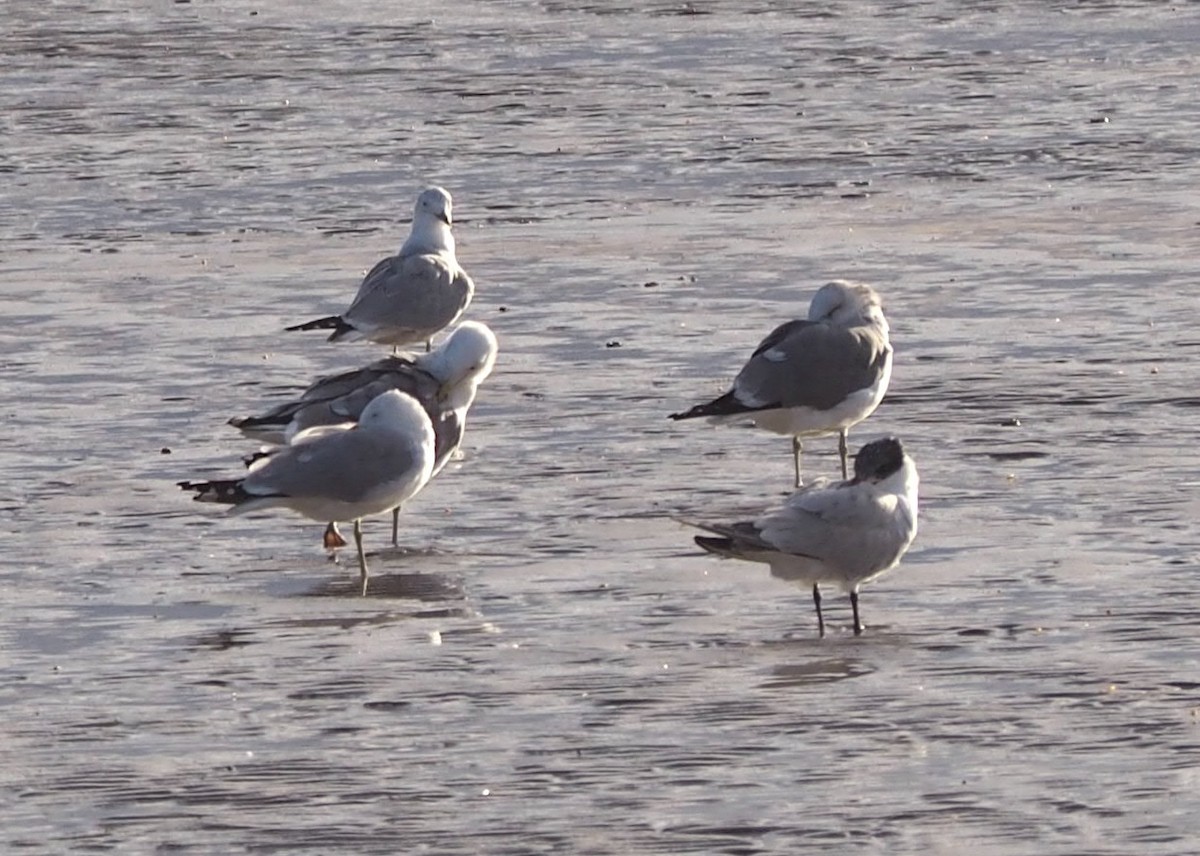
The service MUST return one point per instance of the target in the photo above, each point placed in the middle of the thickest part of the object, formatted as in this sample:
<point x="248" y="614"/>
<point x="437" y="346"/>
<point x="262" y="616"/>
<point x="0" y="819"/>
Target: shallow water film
<point x="642" y="191"/>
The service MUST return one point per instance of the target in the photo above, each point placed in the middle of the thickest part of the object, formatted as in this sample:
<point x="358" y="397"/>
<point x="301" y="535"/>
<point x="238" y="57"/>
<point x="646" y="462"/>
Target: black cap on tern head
<point x="878" y="459"/>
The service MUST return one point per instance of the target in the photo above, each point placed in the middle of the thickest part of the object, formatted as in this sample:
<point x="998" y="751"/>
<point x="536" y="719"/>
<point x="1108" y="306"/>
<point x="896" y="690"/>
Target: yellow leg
<point x="362" y="556"/>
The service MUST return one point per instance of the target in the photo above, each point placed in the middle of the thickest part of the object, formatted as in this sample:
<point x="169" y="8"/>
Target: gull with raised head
<point x="816" y="376"/>
<point x="444" y="381"/>
<point x="847" y="532"/>
<point x="339" y="472"/>
<point x="411" y="296"/>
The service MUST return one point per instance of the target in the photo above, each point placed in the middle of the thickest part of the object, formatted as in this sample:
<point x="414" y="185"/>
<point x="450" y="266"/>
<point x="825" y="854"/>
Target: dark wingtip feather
<point x="726" y="405"/>
<point x="254" y="457"/>
<point x="341" y="328"/>
<point x="250" y="423"/>
<point x="253" y="423"/>
<point x="334" y="322"/>
<point x="226" y="491"/>
<point x="720" y="546"/>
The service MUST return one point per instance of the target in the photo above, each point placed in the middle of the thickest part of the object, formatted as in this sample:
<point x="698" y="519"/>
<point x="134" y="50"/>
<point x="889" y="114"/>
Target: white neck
<point x="428" y="235"/>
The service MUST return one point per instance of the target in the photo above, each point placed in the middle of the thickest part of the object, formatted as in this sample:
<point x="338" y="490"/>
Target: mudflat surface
<point x="642" y="192"/>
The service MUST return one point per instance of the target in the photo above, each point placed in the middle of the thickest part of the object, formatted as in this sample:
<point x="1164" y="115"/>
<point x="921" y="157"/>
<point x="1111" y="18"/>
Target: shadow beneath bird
<point x="428" y="588"/>
<point x="823" y="671"/>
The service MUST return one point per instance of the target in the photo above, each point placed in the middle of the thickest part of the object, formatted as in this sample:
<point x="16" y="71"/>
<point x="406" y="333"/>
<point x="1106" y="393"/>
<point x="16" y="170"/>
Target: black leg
<point x="843" y="451"/>
<point x="820" y="618"/>
<point x="858" y="628"/>
<point x="796" y="449"/>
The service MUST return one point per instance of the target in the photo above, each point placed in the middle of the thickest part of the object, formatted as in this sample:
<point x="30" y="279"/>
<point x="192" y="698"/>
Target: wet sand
<point x="549" y="664"/>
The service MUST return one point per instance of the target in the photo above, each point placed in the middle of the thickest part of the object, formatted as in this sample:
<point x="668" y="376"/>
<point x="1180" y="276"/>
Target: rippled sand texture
<point x="643" y="191"/>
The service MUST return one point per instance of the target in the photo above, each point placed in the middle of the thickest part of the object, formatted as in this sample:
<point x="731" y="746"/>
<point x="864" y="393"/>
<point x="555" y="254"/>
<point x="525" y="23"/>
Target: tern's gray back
<point x="848" y="527"/>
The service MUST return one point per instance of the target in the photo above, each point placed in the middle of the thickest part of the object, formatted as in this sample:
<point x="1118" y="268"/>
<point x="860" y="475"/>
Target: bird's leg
<point x="842" y="451"/>
<point x="820" y="618"/>
<point x="362" y="556"/>
<point x="796" y="449"/>
<point x="428" y="345"/>
<point x="858" y="628"/>
<point x="332" y="537"/>
<point x="396" y="526"/>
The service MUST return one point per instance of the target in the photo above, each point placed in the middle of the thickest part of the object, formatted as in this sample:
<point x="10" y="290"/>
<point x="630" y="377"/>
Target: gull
<point x="339" y="472"/>
<point x="814" y="376"/>
<point x="408" y="297"/>
<point x="848" y="532"/>
<point x="444" y="381"/>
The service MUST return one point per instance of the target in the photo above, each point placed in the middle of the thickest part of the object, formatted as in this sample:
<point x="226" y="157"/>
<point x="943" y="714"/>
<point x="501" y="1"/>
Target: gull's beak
<point x="445" y="218"/>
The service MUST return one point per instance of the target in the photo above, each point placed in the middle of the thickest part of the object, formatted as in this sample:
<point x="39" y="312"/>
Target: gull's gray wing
<point x="807" y="364"/>
<point x="347" y="466"/>
<point x="342" y="398"/>
<point x="335" y="386"/>
<point x="318" y="405"/>
<point x="410" y="297"/>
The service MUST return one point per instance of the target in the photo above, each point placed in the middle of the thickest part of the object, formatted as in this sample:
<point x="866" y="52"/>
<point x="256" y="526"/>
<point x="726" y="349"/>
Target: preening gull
<point x="444" y="381"/>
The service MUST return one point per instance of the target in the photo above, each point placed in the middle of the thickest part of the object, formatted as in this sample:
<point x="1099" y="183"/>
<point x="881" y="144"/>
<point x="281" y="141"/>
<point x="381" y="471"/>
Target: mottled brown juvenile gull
<point x="848" y="532"/>
<point x="339" y="472"/>
<point x="444" y="381"/>
<point x="817" y="376"/>
<point x="408" y="297"/>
